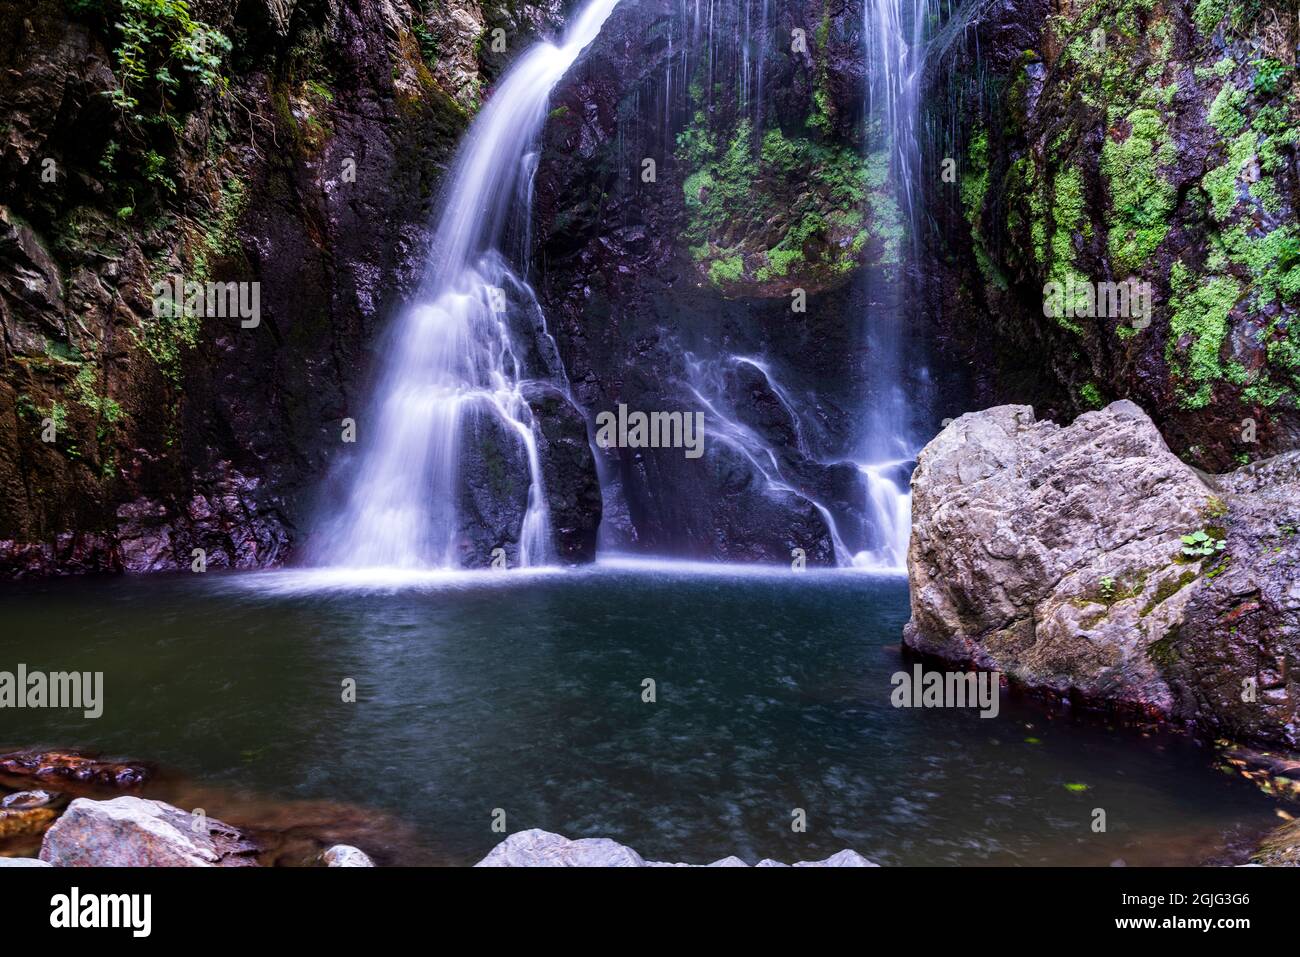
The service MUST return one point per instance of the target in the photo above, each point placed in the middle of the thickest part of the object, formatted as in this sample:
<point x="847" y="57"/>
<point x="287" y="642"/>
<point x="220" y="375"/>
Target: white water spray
<point x="456" y="355"/>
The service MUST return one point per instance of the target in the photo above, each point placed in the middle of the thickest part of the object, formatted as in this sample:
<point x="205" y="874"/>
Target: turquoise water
<point x="522" y="693"/>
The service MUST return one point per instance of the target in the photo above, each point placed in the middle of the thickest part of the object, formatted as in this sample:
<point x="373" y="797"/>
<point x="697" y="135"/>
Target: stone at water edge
<point x="1281" y="848"/>
<point x="72" y="768"/>
<point x="345" y="855"/>
<point x="22" y="862"/>
<point x="1017" y="522"/>
<point x="27" y="800"/>
<point x="135" y="832"/>
<point x="538" y="848"/>
<point x="25" y="821"/>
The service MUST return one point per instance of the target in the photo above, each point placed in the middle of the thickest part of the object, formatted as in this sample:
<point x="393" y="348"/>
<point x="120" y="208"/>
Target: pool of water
<point x="484" y="691"/>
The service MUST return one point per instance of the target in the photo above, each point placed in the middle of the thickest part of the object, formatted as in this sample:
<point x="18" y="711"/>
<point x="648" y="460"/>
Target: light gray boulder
<point x="538" y="848"/>
<point x="1054" y="554"/>
<point x="135" y="832"/>
<point x="345" y="855"/>
<point x="22" y="862"/>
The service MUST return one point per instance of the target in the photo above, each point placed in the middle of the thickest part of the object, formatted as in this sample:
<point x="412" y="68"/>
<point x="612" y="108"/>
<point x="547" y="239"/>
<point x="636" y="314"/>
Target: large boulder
<point x="1056" y="556"/>
<point x="538" y="848"/>
<point x="134" y="832"/>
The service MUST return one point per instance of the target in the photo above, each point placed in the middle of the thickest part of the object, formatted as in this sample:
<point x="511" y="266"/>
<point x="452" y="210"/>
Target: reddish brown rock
<point x="81" y="771"/>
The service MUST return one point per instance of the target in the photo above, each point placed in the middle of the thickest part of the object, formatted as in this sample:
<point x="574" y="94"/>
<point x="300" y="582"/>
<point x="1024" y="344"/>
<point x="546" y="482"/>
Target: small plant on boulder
<point x="1200" y="544"/>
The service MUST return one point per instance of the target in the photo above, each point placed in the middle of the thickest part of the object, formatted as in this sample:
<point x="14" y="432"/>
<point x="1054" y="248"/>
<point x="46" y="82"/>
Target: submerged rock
<point x="1056" y="556"/>
<point x="134" y="832"/>
<point x="72" y="767"/>
<point x="538" y="848"/>
<point x="1275" y="774"/>
<point x="343" y="855"/>
<point x="22" y="821"/>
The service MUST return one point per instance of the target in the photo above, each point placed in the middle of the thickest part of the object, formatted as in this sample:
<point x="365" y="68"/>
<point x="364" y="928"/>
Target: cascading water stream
<point x="457" y="353"/>
<point x="895" y="34"/>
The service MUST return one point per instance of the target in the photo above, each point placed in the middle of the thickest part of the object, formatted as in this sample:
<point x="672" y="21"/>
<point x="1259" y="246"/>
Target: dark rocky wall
<point x="174" y="435"/>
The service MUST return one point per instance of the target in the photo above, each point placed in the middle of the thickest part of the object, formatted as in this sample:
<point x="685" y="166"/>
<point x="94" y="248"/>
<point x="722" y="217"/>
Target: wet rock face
<point x="315" y="179"/>
<point x="494" y="481"/>
<point x="654" y="288"/>
<point x="568" y="473"/>
<point x="133" y="832"/>
<point x="1110" y="142"/>
<point x="1057" y="556"/>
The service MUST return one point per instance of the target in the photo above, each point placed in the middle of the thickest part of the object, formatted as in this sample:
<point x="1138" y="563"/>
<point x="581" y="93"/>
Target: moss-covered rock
<point x="1152" y="140"/>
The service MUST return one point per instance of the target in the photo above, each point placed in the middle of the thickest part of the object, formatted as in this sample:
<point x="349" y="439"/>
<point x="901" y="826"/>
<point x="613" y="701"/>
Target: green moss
<point x="1198" y="323"/>
<point x="797" y="204"/>
<point x="975" y="177"/>
<point x="1221" y="70"/>
<point x="1221" y="183"/>
<point x="216" y="236"/>
<point x="1225" y="113"/>
<point x="1143" y="200"/>
<point x="1167" y="588"/>
<point x="1162" y="652"/>
<point x="1091" y="396"/>
<point x="729" y="269"/>
<point x="86" y="392"/>
<point x="1209" y="14"/>
<point x="1272" y="260"/>
<point x="819" y="119"/>
<point x="1068" y="220"/>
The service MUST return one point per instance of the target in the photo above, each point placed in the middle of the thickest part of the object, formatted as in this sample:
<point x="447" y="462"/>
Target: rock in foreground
<point x="134" y="832"/>
<point x="538" y="848"/>
<point x="1281" y="848"/>
<point x="345" y="855"/>
<point x="1056" y="556"/>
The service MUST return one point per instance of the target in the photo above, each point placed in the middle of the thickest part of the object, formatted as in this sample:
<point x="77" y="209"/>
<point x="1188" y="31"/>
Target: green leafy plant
<point x="1201" y="544"/>
<point x="1107" y="585"/>
<point x="159" y="38"/>
<point x="426" y="41"/>
<point x="1269" y="74"/>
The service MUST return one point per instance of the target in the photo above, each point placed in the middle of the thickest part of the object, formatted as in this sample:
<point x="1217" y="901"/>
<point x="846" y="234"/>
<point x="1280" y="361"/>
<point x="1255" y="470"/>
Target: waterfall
<point x="726" y="427"/>
<point x="895" y="59"/>
<point x="458" y="358"/>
